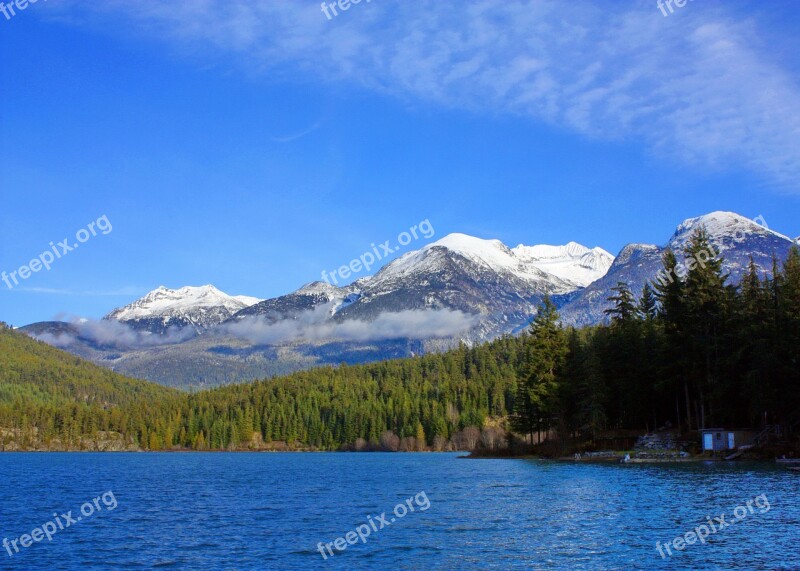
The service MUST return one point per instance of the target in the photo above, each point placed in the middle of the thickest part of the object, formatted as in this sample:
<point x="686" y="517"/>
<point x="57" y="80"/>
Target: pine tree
<point x="537" y="393"/>
<point x="706" y="300"/>
<point x="648" y="304"/>
<point x="420" y="436"/>
<point x="199" y="441"/>
<point x="670" y="293"/>
<point x="787" y="357"/>
<point x="624" y="310"/>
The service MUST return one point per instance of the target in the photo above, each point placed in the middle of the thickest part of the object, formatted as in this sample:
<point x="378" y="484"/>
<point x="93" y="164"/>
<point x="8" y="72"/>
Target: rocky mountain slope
<point x="733" y="236"/>
<point x="164" y="309"/>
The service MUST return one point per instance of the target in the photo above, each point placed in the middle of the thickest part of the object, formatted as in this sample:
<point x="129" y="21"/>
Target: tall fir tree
<point x="537" y="393"/>
<point x="648" y="304"/>
<point x="706" y="300"/>
<point x="624" y="310"/>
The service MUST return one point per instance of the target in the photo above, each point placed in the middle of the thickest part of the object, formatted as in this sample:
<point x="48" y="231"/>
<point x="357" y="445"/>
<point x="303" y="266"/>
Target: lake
<point x="269" y="511"/>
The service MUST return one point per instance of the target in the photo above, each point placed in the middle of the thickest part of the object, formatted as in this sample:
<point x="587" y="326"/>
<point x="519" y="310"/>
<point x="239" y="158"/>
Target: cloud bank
<point x="112" y="333"/>
<point x="316" y="326"/>
<point x="699" y="88"/>
<point x="309" y="327"/>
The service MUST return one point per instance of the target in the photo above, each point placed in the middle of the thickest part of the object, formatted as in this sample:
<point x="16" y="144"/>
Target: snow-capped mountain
<point x="562" y="268"/>
<point x="573" y="263"/>
<point x="197" y="307"/>
<point x="458" y="273"/>
<point x="470" y="288"/>
<point x="308" y="298"/>
<point x="735" y="237"/>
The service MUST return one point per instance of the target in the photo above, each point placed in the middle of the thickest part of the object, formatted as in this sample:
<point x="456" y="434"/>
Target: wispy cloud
<point x="316" y="325"/>
<point x="700" y="88"/>
<point x="308" y="326"/>
<point x="44" y="290"/>
<point x="127" y="291"/>
<point x="112" y="333"/>
<point x="299" y="135"/>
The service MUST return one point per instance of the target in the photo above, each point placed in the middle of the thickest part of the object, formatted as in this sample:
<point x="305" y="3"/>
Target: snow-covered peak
<point x="247" y="300"/>
<point x="546" y="252"/>
<point x="721" y="225"/>
<point x="491" y="253"/>
<point x="319" y="288"/>
<point x="566" y="268"/>
<point x="360" y="283"/>
<point x="165" y="302"/>
<point x="572" y="262"/>
<point x="633" y="251"/>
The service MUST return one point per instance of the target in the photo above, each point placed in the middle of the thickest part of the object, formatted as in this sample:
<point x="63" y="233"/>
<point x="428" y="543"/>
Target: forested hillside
<point x="64" y="397"/>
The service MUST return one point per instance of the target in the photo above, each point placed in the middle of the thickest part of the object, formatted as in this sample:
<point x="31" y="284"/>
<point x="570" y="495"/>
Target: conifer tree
<point x="537" y="392"/>
<point x="624" y="309"/>
<point x="648" y="304"/>
<point x="706" y="300"/>
<point x="669" y="291"/>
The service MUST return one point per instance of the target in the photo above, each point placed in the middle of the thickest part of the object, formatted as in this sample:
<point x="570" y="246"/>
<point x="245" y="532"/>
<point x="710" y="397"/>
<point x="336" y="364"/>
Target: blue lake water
<point x="270" y="511"/>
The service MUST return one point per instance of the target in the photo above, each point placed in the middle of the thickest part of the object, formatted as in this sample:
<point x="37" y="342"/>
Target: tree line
<point x="693" y="351"/>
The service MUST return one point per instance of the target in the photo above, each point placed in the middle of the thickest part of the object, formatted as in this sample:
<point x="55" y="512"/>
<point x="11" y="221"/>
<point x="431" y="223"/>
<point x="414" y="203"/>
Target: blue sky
<point x="254" y="144"/>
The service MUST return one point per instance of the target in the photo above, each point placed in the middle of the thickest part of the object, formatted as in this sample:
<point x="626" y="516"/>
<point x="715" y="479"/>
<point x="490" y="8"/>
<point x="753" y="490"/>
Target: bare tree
<point x="408" y="444"/>
<point x="471" y="437"/>
<point x="467" y="439"/>
<point x="390" y="442"/>
<point x="493" y="438"/>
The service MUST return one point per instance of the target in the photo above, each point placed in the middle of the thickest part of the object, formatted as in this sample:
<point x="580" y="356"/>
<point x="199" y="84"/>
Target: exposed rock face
<point x="657" y="441"/>
<point x="13" y="440"/>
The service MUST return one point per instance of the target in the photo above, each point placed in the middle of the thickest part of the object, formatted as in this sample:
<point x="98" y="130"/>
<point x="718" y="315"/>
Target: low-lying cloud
<point x="308" y="326"/>
<point x="112" y="333"/>
<point x="316" y="325"/>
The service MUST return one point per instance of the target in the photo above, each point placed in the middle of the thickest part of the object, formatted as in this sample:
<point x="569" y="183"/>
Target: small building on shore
<point x="723" y="439"/>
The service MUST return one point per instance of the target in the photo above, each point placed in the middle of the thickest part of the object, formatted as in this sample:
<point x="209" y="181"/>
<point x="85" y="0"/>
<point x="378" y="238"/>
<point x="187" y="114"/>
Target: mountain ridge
<point x="199" y="307"/>
<point x="459" y="289"/>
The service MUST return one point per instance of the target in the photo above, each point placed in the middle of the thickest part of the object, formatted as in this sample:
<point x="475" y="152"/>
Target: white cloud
<point x="113" y="333"/>
<point x="315" y="325"/>
<point x="698" y="87"/>
<point x="124" y="291"/>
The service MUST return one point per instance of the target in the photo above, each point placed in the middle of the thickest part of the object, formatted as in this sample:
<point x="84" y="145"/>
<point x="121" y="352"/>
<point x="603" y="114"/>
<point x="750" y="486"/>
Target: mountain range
<point x="457" y="289"/>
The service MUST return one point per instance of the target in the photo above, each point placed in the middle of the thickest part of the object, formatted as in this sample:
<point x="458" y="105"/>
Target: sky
<point x="253" y="145"/>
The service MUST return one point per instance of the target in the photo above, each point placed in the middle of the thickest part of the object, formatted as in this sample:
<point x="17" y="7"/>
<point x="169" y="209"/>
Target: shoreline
<point x="461" y="455"/>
